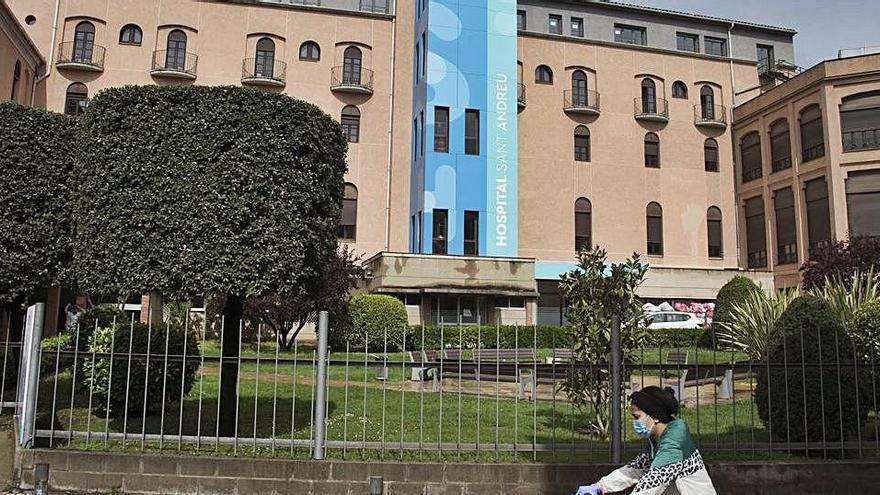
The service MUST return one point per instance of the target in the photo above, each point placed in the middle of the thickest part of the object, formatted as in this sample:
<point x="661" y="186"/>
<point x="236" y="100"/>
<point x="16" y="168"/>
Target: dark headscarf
<point x="659" y="403"/>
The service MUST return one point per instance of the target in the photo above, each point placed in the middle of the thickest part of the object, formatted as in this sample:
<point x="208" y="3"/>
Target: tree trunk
<point x="231" y="335"/>
<point x="288" y="341"/>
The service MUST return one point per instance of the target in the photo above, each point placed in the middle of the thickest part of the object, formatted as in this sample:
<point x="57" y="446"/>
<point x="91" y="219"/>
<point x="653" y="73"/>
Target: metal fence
<point x="429" y="393"/>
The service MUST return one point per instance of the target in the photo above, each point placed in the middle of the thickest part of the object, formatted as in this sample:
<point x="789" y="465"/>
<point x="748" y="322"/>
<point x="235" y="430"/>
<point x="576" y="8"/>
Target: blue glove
<point x="589" y="490"/>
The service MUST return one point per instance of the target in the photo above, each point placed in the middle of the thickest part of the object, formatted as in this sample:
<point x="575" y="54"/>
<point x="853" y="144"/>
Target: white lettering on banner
<point x="501" y="163"/>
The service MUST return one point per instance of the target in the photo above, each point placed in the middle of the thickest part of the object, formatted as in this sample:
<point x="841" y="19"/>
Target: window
<point x="812" y="137"/>
<point x="264" y="63"/>
<point x="649" y="96"/>
<point x="415" y="138"/>
<point x="423" y="132"/>
<point x="818" y="216"/>
<point x="679" y="90"/>
<point x="175" y="55"/>
<point x="554" y="24"/>
<point x="577" y="27"/>
<point x="578" y="89"/>
<point x="16" y="76"/>
<point x="581" y="144"/>
<point x="439" y="231"/>
<point x="786" y="228"/>
<point x="750" y="153"/>
<point x="780" y="145"/>
<point x="687" y="42"/>
<point x="543" y="75"/>
<point x="84" y="42"/>
<point x="860" y="121"/>
<point x="710" y="155"/>
<point x="756" y="235"/>
<point x="630" y="34"/>
<point x="471" y="132"/>
<point x="424" y="55"/>
<point x="351" y="123"/>
<point x="521" y="20"/>
<point x="310" y="51"/>
<point x="76" y="100"/>
<point x="863" y="202"/>
<point x="351" y="66"/>
<point x="766" y="60"/>
<point x="654" y="217"/>
<point x="348" y="222"/>
<point x="441" y="129"/>
<point x="715" y="46"/>
<point x="583" y="224"/>
<point x="417" y="63"/>
<point x="376" y="6"/>
<point x="713" y="229"/>
<point x="510" y="302"/>
<point x="471" y="233"/>
<point x="131" y="34"/>
<point x="652" y="150"/>
<point x="707" y="103"/>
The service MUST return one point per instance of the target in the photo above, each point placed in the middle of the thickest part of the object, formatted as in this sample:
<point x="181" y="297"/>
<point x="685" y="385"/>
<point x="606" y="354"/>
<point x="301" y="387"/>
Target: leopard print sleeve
<point x="642" y="461"/>
<point x="656" y="480"/>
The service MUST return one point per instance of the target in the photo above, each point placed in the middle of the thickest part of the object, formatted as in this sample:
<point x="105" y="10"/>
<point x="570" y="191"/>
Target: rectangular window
<point x="521" y="20"/>
<point x="577" y="27"/>
<point x="471" y="233"/>
<point x="780" y="148"/>
<point x="418" y="64"/>
<point x="818" y="216"/>
<point x="860" y="122"/>
<point x="415" y="139"/>
<point x="633" y="35"/>
<point x="687" y="42"/>
<point x="766" y="60"/>
<point x="711" y="158"/>
<point x="812" y="136"/>
<point x="715" y="46"/>
<point x="863" y="202"/>
<point x="786" y="228"/>
<point x="750" y="154"/>
<point x="582" y="147"/>
<point x="756" y="234"/>
<point x="471" y="132"/>
<point x="655" y="235"/>
<point x="421" y="221"/>
<point x="555" y="24"/>
<point x="439" y="229"/>
<point x="441" y="129"/>
<point x="424" y="55"/>
<point x="423" y="132"/>
<point x="715" y="246"/>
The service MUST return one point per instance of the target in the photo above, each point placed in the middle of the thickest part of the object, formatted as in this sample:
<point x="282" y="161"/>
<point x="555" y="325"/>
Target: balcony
<point x="521" y="96"/>
<point x="861" y="139"/>
<point x="656" y="110"/>
<point x="780" y="164"/>
<point x="263" y="72"/>
<point x="710" y="116"/>
<point x="348" y="79"/>
<point x="80" y="56"/>
<point x="580" y="102"/>
<point x="174" y="64"/>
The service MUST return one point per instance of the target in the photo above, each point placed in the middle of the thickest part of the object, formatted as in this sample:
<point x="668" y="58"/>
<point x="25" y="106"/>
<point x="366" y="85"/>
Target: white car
<point x="673" y="319"/>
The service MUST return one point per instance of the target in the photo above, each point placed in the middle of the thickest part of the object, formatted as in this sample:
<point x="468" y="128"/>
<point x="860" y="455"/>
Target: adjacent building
<point x="21" y="63"/>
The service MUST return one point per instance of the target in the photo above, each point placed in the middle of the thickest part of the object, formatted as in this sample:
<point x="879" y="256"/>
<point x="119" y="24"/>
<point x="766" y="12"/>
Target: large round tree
<point x="206" y="190"/>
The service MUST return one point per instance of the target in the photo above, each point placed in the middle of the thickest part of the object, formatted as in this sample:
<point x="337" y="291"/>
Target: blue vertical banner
<point x="501" y="135"/>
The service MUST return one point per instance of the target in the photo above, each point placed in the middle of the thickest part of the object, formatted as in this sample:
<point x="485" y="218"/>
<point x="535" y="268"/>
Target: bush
<point x="51" y="347"/>
<point x="732" y="293"/>
<point x="810" y="332"/>
<point x="369" y="317"/>
<point x="682" y="337"/>
<point x="490" y="337"/>
<point x="841" y="259"/>
<point x="97" y="377"/>
<point x="103" y="316"/>
<point x="864" y="330"/>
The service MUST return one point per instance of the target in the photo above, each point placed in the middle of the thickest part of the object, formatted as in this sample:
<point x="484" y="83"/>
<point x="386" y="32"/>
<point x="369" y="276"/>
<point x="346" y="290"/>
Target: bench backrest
<point x="453" y="354"/>
<point x="677" y="357"/>
<point x="563" y="354"/>
<point x="509" y="355"/>
<point x="429" y="356"/>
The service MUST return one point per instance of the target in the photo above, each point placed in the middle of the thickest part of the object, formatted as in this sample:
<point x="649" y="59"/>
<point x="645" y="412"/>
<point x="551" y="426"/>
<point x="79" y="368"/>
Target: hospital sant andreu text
<point x="490" y="139"/>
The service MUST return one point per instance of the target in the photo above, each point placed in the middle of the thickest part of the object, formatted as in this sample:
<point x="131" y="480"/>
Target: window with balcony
<point x="583" y="224"/>
<point x="471" y="132"/>
<point x="83" y="42"/>
<point x="633" y="35"/>
<point x="543" y="75"/>
<point x="351" y="123"/>
<point x="439" y="231"/>
<point x="652" y="150"/>
<point x="441" y="129"/>
<point x="710" y="155"/>
<point x="780" y="145"/>
<point x="654" y="220"/>
<point x="818" y="214"/>
<point x="756" y="233"/>
<point x="577" y="27"/>
<point x="750" y="156"/>
<point x="309" y="51"/>
<point x="582" y="143"/>
<point x="471" y="233"/>
<point x="76" y="99"/>
<point x="131" y="34"/>
<point x="707" y="103"/>
<point x="863" y="202"/>
<point x="649" y="96"/>
<point x="715" y="46"/>
<point x="714" y="232"/>
<point x="679" y="90"/>
<point x="578" y="89"/>
<point x="860" y="121"/>
<point x="264" y="63"/>
<point x="348" y="220"/>
<point x="786" y="227"/>
<point x="554" y="24"/>
<point x="687" y="42"/>
<point x="812" y="134"/>
<point x="351" y="66"/>
<point x="175" y="54"/>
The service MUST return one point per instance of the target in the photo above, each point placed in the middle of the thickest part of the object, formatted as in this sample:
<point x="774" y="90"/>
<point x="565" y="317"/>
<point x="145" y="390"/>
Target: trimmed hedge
<point x="864" y="329"/>
<point x="811" y="333"/>
<point x="373" y="318"/>
<point x="682" y="337"/>
<point x="733" y="292"/>
<point x="490" y="337"/>
<point x="36" y="157"/>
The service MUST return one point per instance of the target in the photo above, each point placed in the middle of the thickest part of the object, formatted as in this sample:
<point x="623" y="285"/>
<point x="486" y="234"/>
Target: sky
<point x="823" y="26"/>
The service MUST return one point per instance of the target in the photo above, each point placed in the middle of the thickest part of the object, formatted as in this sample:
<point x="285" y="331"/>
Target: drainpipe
<point x="390" y="133"/>
<point x="51" y="54"/>
<point x="736" y="211"/>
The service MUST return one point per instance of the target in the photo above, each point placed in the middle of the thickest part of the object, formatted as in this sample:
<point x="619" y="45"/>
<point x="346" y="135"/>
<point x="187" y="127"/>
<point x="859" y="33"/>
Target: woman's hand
<point x="589" y="490"/>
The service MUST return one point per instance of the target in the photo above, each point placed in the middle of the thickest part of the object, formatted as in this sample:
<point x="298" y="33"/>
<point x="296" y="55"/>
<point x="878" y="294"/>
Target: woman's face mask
<point x="640" y="425"/>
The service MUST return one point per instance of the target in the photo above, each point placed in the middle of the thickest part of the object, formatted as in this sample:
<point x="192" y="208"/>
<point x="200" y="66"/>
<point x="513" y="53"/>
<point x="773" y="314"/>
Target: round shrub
<point x="864" y="329"/>
<point x="836" y="395"/>
<point x="97" y="375"/>
<point x="102" y="316"/>
<point x="372" y="318"/>
<point x="735" y="291"/>
<point x="54" y="354"/>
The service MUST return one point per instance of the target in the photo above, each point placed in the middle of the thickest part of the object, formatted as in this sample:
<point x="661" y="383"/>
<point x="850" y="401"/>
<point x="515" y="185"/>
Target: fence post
<point x="29" y="373"/>
<point x="616" y="399"/>
<point x="321" y="384"/>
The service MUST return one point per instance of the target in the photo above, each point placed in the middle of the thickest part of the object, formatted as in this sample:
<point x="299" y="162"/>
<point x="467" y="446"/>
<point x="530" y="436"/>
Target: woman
<point x="670" y="458"/>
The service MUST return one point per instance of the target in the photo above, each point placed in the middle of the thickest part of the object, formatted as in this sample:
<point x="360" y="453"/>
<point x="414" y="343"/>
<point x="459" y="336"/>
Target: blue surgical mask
<point x="641" y="429"/>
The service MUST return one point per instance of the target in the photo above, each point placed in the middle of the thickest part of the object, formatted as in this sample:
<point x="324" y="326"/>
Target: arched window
<point x="583" y="224"/>
<point x="679" y="90"/>
<point x="780" y="145"/>
<point x="16" y="76"/>
<point x="351" y="66"/>
<point x="83" y="42"/>
<point x="713" y="229"/>
<point x="710" y="155"/>
<point x="131" y="34"/>
<point x="654" y="220"/>
<point x="175" y="56"/>
<point x="351" y="123"/>
<point x="348" y="221"/>
<point x="543" y="75"/>
<point x="652" y="150"/>
<point x="264" y="63"/>
<point x="649" y="96"/>
<point x="76" y="99"/>
<point x="579" y="89"/>
<point x="581" y="143"/>
<point x="310" y="51"/>
<point x="812" y="134"/>
<point x="707" y="103"/>
<point x="860" y="121"/>
<point x="750" y="156"/>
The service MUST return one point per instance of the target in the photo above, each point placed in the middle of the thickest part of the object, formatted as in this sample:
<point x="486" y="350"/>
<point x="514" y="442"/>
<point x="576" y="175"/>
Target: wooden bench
<point x="678" y="358"/>
<point x="525" y="376"/>
<point x="562" y="355"/>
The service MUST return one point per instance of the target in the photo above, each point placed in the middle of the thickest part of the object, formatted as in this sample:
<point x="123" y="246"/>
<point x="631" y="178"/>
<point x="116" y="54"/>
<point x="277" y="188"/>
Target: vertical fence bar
<point x="384" y="372"/>
<point x="424" y="374"/>
<point x="402" y="387"/>
<point x="821" y="397"/>
<point x="616" y="440"/>
<point x="312" y="406"/>
<point x="441" y="353"/>
<point x="109" y="384"/>
<point x="237" y="386"/>
<point x="804" y="390"/>
<point x="5" y="363"/>
<point x="535" y="393"/>
<point x="201" y="382"/>
<point x="127" y="384"/>
<point x="257" y="385"/>
<point x="275" y="392"/>
<point x="91" y="395"/>
<point x="345" y="402"/>
<point x="146" y="382"/>
<point x="293" y="396"/>
<point x="839" y="391"/>
<point x="479" y="373"/>
<point x="460" y="380"/>
<point x="73" y="386"/>
<point x="219" y="384"/>
<point x="497" y="390"/>
<point x="876" y="408"/>
<point x="516" y="399"/>
<point x="364" y="412"/>
<point x="182" y="380"/>
<point x="164" y="387"/>
<point x="55" y="392"/>
<point x="785" y="384"/>
<point x="321" y="385"/>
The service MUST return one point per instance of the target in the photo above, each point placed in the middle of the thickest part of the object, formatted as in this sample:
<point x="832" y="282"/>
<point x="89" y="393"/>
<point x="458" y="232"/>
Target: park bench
<point x="523" y="375"/>
<point x="562" y="355"/>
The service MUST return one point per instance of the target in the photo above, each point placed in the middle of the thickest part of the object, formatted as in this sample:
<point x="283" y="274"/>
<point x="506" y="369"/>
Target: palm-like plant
<point x="751" y="323"/>
<point x="845" y="294"/>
